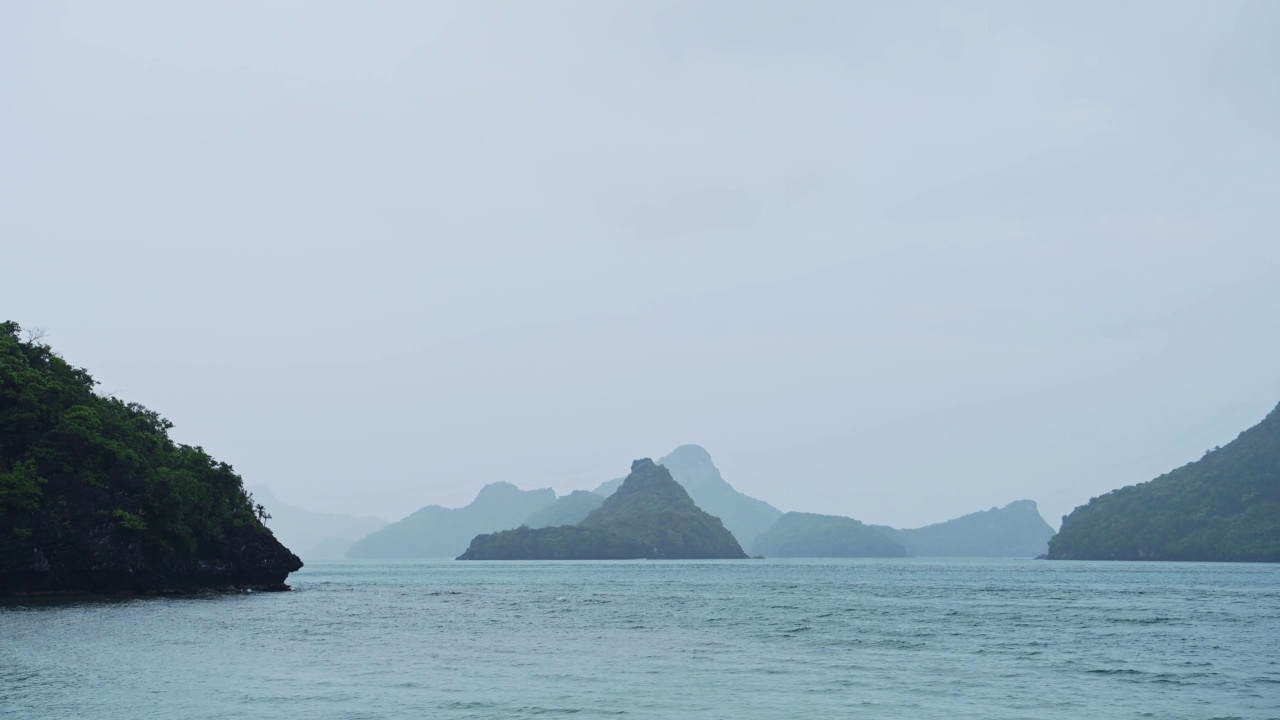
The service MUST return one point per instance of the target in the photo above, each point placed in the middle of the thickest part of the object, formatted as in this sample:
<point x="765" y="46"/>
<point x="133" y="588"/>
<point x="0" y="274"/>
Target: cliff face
<point x="1223" y="507"/>
<point x="105" y="559"/>
<point x="96" y="498"/>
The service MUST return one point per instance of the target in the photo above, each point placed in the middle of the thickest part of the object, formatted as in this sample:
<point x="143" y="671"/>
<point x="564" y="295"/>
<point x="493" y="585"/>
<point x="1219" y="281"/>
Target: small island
<point x="96" y="498"/>
<point x="649" y="516"/>
<point x="801" y="535"/>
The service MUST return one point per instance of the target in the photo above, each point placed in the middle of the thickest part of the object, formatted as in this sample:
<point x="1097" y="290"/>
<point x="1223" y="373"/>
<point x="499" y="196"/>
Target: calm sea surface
<point x="908" y="638"/>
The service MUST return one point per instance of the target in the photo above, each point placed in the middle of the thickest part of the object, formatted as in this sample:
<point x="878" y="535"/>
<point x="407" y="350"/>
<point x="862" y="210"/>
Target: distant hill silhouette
<point x="797" y="534"/>
<point x="436" y="532"/>
<point x="649" y="515"/>
<point x="314" y="535"/>
<point x="1015" y="530"/>
<point x="1222" y="507"/>
<point x="562" y="542"/>
<point x="691" y="466"/>
<point x="568" y="510"/>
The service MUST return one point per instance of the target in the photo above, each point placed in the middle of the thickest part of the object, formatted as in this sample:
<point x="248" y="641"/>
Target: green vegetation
<point x="1223" y="507"/>
<point x="797" y="534"/>
<point x="1015" y="530"/>
<point x="565" y="542"/>
<point x="439" y="532"/>
<point x="568" y="510"/>
<point x="691" y="466"/>
<point x="652" y="507"/>
<point x="649" y="515"/>
<point x="95" y="496"/>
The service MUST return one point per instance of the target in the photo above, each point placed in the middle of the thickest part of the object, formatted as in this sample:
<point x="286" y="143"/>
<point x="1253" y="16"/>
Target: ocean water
<point x="909" y="638"/>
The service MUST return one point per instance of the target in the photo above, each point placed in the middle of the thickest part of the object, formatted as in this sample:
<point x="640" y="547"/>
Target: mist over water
<point x="908" y="638"/>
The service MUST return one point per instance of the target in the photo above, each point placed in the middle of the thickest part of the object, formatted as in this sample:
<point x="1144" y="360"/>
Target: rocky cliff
<point x="96" y="498"/>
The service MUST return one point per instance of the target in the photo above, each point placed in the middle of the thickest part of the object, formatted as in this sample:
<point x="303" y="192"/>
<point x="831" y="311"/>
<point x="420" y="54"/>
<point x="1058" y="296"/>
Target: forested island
<point x="691" y="466"/>
<point x="798" y="534"/>
<point x="649" y="516"/>
<point x="1222" y="507"/>
<point x="96" y="498"/>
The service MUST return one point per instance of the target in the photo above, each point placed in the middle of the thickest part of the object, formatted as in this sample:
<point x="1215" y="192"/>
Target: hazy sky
<point x="899" y="261"/>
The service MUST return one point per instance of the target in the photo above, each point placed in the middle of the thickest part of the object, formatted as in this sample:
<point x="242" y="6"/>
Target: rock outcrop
<point x="96" y="498"/>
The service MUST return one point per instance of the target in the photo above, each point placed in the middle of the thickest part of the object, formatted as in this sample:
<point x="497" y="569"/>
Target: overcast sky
<point x="899" y="261"/>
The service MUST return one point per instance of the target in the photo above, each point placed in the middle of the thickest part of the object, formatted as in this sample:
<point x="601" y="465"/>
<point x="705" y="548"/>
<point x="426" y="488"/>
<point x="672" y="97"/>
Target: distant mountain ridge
<point x="1015" y="530"/>
<point x="649" y="516"/>
<point x="1222" y="507"/>
<point x="314" y="535"/>
<point x="439" y="532"/>
<point x="568" y="510"/>
<point x="692" y="467"/>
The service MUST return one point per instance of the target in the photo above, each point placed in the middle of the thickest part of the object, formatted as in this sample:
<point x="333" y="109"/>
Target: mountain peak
<point x="503" y="491"/>
<point x="652" y="507"/>
<point x="693" y="464"/>
<point x="648" y="477"/>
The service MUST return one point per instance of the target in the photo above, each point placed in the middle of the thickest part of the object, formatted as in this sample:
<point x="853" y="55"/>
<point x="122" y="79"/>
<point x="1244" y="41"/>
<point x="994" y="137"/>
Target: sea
<point x="891" y="638"/>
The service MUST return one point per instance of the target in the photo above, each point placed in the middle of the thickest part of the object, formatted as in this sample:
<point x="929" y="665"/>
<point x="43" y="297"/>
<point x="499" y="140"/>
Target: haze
<point x="899" y="262"/>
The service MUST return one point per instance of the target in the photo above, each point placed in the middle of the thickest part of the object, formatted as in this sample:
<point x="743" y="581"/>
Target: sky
<point x="897" y="261"/>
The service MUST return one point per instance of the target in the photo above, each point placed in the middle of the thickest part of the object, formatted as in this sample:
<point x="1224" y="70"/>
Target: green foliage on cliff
<point x="564" y="542"/>
<point x="1223" y="507"/>
<point x="93" y="482"/>
<point x="797" y="534"/>
<point x="691" y="466"/>
<point x="653" y="508"/>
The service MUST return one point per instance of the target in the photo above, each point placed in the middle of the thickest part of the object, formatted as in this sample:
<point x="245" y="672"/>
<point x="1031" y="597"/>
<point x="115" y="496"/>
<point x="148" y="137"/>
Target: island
<point x="96" y="498"/>
<point x="801" y="534"/>
<point x="649" y="516"/>
<point x="691" y="466"/>
<point x="1223" y="507"/>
